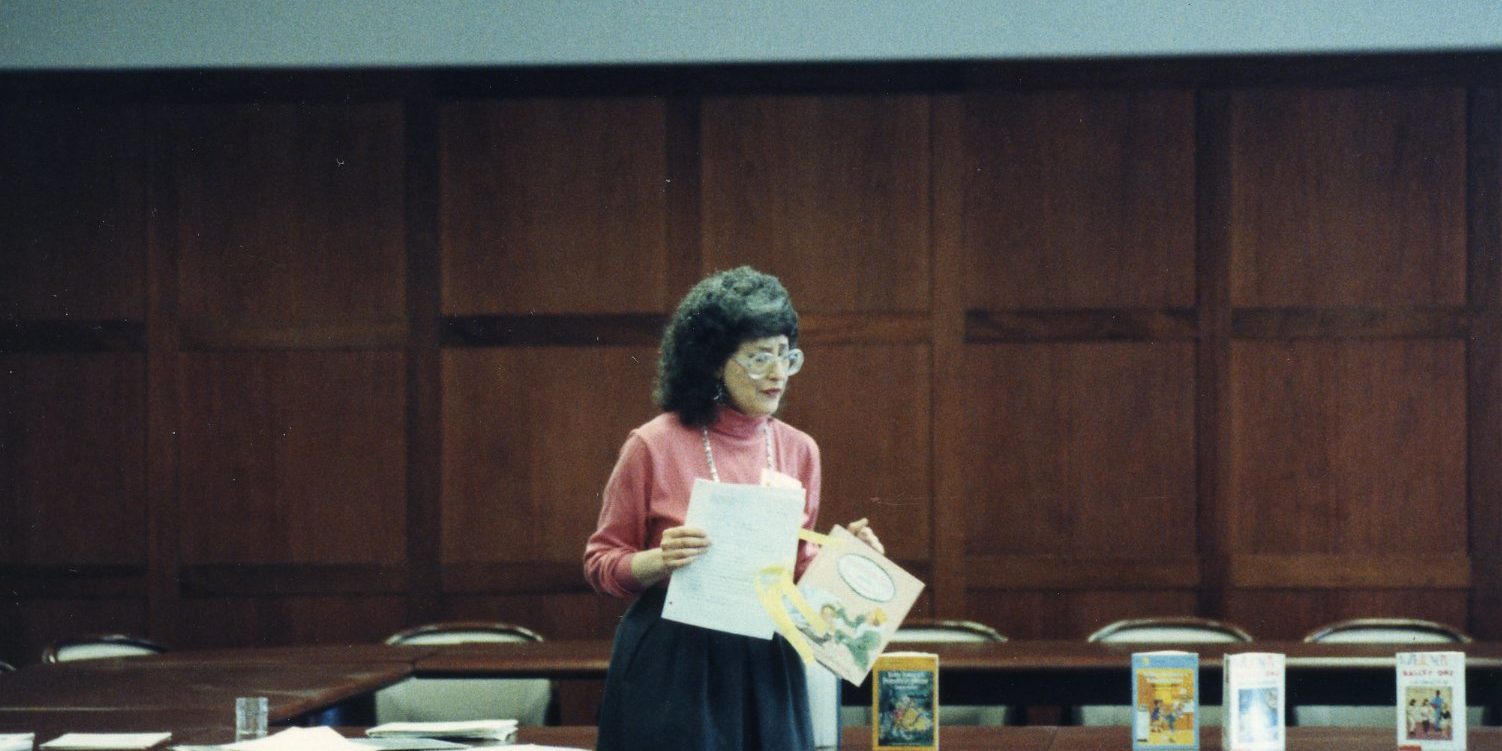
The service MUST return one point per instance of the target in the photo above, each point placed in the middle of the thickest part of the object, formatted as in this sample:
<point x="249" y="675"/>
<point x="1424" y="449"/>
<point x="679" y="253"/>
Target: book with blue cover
<point x="1165" y="701"/>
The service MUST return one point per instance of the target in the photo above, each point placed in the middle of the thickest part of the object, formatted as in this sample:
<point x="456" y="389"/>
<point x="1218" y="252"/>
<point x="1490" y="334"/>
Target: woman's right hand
<point x="680" y="546"/>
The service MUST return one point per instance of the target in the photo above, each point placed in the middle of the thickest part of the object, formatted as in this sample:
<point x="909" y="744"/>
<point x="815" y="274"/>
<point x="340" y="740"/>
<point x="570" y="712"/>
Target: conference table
<point x="1042" y="672"/>
<point x="191" y="693"/>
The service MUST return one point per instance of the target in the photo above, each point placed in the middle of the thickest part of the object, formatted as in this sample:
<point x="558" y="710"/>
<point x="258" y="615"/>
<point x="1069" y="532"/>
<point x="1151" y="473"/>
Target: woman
<point x="726" y="358"/>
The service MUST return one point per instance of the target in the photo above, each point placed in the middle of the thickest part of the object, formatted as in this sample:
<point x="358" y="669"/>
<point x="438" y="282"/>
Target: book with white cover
<point x="1255" y="702"/>
<point x="1431" y="701"/>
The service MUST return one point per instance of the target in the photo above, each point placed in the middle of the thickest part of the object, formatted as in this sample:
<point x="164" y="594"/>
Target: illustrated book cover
<point x="1431" y="701"/>
<point x="1255" y="702"/>
<point x="1165" y="701"/>
<point x="860" y="596"/>
<point x="905" y="702"/>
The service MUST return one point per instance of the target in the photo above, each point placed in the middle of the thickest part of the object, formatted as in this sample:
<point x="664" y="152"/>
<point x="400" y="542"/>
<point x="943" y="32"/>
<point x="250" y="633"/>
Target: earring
<point x="719" y="391"/>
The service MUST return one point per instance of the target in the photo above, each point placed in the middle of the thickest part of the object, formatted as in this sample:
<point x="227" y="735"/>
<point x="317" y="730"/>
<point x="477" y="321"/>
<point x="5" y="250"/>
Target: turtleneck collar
<point x="737" y="424"/>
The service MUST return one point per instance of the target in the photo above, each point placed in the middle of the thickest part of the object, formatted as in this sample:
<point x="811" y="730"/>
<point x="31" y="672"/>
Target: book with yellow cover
<point x="905" y="702"/>
<point x="1165" y="701"/>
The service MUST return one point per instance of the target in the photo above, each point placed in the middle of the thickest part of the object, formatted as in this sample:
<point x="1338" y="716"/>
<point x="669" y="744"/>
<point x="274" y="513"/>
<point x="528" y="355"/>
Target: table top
<point x="1036" y="738"/>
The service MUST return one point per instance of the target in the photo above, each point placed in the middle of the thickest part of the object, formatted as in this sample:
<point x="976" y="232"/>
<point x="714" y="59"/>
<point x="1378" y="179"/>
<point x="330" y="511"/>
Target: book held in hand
<point x="861" y="598"/>
<point x="905" y="702"/>
<point x="1165" y="701"/>
<point x="1431" y="701"/>
<point x="1255" y="702"/>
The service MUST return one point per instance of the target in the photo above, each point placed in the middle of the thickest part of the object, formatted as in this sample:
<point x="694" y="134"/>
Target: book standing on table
<point x="1431" y="701"/>
<point x="1165" y="701"/>
<point x="1255" y="702"/>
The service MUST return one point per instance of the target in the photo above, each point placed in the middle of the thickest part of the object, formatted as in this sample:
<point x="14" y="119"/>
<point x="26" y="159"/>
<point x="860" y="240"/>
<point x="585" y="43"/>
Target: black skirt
<point x="675" y="686"/>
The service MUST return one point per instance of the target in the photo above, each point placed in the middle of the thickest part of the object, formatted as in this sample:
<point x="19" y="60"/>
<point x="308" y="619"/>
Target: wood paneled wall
<point x="310" y="357"/>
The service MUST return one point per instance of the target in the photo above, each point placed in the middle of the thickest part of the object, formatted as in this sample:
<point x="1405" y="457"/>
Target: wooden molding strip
<point x="588" y="330"/>
<point x="549" y="578"/>
<point x="280" y="579"/>
<point x="995" y="326"/>
<point x="74" y="581"/>
<point x="1071" y="573"/>
<point x="207" y="336"/>
<point x="865" y="328"/>
<point x="1349" y="571"/>
<point x="645" y="329"/>
<point x="125" y="335"/>
<point x="1350" y="323"/>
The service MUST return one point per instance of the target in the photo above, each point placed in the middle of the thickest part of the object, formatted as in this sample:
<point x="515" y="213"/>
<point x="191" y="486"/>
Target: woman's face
<point x="752" y="392"/>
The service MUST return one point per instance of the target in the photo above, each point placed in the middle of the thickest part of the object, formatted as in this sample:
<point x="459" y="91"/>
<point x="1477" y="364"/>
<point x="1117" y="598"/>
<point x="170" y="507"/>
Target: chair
<point x="6" y="667"/>
<point x="1396" y="631"/>
<point x="529" y="701"/>
<point x="97" y="646"/>
<point x="920" y="630"/>
<point x="1163" y="630"/>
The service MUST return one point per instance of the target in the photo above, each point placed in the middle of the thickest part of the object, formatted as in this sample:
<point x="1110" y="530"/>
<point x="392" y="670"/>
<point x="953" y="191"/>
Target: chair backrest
<point x="462" y="632"/>
<point x="529" y="701"/>
<point x="924" y="629"/>
<point x="97" y="646"/>
<point x="1388" y="630"/>
<point x="1376" y="631"/>
<point x="1161" y="630"/>
<point x="1186" y="629"/>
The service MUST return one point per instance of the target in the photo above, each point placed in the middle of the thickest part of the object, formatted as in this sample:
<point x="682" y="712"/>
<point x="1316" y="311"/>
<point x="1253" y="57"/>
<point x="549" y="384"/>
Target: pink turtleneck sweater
<point x="648" y="491"/>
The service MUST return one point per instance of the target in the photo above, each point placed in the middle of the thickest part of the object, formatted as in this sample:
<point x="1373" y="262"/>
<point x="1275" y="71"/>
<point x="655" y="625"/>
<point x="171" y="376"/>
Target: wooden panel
<point x="830" y="193"/>
<point x="1290" y="614"/>
<point x="72" y="429"/>
<point x="554" y="206"/>
<point x="279" y="621"/>
<point x="1348" y="447"/>
<point x="1057" y="572"/>
<point x="1484" y="357"/>
<point x="289" y="213"/>
<point x="1350" y="571"/>
<point x="1348" y="197"/>
<point x="530" y="435"/>
<point x="1076" y="199"/>
<point x="868" y="408"/>
<point x="292" y="457"/>
<point x="1047" y="614"/>
<point x="71" y="212"/>
<point x="1083" y="450"/>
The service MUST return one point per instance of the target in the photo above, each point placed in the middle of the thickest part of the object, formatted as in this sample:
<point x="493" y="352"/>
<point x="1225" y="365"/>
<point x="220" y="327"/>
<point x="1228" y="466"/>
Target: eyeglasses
<point x="760" y="364"/>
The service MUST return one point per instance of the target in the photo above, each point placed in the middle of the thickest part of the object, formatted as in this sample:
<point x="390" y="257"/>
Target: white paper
<point x="750" y="527"/>
<point x="106" y="740"/>
<point x="16" y="741"/>
<point x="298" y="739"/>
<point x="404" y="743"/>
<point x="475" y="729"/>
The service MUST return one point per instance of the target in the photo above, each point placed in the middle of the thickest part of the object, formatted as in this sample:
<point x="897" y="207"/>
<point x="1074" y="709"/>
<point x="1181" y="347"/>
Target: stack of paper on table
<point x="90" y="741"/>
<point x="16" y="741"/>
<point x="498" y="730"/>
<point x="298" y="739"/>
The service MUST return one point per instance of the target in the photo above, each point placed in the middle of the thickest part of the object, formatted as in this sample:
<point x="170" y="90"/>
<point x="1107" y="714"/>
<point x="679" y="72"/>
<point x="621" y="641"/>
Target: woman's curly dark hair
<point x="715" y="317"/>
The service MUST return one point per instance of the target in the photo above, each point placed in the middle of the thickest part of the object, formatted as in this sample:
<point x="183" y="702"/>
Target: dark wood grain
<point x="830" y="193"/>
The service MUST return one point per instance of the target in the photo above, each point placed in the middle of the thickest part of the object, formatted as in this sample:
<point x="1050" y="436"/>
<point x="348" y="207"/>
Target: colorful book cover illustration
<point x="1431" y="701"/>
<point x="860" y="596"/>
<point x="1165" y="701"/>
<point x="1255" y="702"/>
<point x="905" y="702"/>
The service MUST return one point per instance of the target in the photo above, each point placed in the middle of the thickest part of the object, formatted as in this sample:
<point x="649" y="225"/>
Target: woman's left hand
<point x="861" y="528"/>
